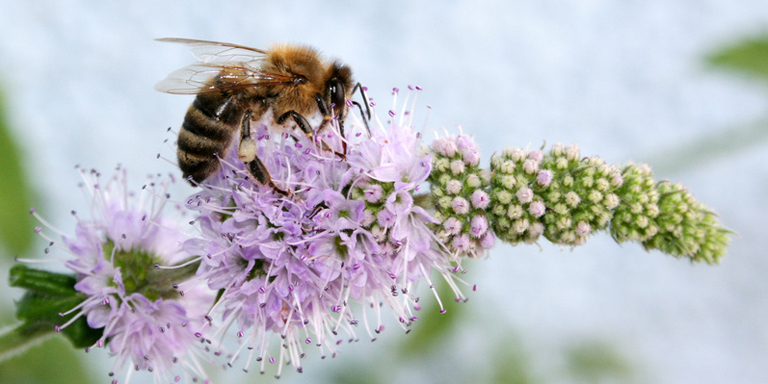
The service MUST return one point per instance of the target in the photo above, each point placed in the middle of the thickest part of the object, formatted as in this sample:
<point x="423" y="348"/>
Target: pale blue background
<point x="624" y="79"/>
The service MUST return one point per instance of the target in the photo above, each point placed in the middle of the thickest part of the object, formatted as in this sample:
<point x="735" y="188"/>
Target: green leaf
<point x="52" y="362"/>
<point x="749" y="56"/>
<point x="48" y="295"/>
<point x="15" y="221"/>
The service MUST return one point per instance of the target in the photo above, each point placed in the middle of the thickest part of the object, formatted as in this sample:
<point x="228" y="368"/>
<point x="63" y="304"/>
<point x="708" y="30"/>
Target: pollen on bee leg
<point x="247" y="150"/>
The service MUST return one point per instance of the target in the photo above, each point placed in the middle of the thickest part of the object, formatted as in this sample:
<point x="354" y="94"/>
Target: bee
<point x="235" y="84"/>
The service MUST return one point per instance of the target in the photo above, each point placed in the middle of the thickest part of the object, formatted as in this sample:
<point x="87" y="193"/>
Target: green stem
<point x="16" y="340"/>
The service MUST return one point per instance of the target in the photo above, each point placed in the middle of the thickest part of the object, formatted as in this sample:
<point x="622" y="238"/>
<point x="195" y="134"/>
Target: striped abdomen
<point x="211" y="122"/>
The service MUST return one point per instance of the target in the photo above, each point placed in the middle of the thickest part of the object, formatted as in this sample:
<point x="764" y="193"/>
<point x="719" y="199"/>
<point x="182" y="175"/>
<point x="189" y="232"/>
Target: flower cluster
<point x="634" y="218"/>
<point x="120" y="256"/>
<point x="687" y="228"/>
<point x="566" y="198"/>
<point x="459" y="189"/>
<point x="347" y="232"/>
<point x="559" y="195"/>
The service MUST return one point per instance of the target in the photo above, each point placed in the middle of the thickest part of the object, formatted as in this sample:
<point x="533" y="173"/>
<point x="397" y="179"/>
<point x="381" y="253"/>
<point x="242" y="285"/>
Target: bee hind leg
<point x="247" y="150"/>
<point x="259" y="171"/>
<point x="248" y="154"/>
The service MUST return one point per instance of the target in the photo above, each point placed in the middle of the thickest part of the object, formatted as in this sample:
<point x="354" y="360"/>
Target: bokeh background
<point x="678" y="84"/>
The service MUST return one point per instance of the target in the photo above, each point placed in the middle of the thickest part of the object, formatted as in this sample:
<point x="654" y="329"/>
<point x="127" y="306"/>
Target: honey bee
<point x="235" y="84"/>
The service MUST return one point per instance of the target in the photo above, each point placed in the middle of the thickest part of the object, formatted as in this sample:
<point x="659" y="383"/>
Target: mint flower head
<point x="300" y="269"/>
<point x="119" y="258"/>
<point x="348" y="224"/>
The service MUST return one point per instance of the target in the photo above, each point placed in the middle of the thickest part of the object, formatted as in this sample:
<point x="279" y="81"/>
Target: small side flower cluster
<point x="687" y="228"/>
<point x="665" y="216"/>
<point x="635" y="218"/>
<point x="118" y="259"/>
<point x="558" y="195"/>
<point x="459" y="189"/>
<point x="566" y="198"/>
<point x="348" y="232"/>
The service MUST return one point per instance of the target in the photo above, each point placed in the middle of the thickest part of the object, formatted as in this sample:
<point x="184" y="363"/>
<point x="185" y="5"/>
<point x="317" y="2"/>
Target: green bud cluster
<point x="458" y="188"/>
<point x="635" y="217"/>
<point x="687" y="228"/>
<point x="565" y="198"/>
<point x="559" y="195"/>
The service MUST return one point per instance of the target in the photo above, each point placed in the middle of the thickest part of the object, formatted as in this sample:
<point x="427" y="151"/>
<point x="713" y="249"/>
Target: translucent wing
<point x="218" y="52"/>
<point x="237" y="67"/>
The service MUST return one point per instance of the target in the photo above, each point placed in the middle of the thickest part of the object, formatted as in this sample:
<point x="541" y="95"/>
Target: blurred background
<point x="678" y="84"/>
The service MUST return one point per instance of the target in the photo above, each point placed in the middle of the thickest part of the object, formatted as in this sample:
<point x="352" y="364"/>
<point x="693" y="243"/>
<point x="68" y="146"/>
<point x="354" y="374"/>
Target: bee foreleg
<point x="367" y="114"/>
<point x="359" y="86"/>
<point x="247" y="150"/>
<point x="327" y="118"/>
<point x="323" y="107"/>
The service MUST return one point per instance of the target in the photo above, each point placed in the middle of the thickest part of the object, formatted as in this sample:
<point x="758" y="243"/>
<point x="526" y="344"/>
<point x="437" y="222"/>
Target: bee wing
<point x="218" y="52"/>
<point x="236" y="66"/>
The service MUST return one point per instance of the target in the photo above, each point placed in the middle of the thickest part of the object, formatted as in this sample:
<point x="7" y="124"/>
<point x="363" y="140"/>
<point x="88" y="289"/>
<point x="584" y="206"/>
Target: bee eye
<point x="336" y="91"/>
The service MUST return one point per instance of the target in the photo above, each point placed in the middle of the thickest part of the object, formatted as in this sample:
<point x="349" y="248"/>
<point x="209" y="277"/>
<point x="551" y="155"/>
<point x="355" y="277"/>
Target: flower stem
<point x="16" y="340"/>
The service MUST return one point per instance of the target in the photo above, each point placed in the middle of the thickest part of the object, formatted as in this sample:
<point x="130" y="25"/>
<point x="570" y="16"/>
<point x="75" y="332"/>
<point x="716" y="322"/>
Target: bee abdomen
<point x="202" y="140"/>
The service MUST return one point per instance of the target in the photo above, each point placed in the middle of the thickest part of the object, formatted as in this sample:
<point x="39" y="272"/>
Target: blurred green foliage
<point x="15" y="220"/>
<point x="749" y="56"/>
<point x="434" y="348"/>
<point x="596" y="362"/>
<point x="53" y="361"/>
